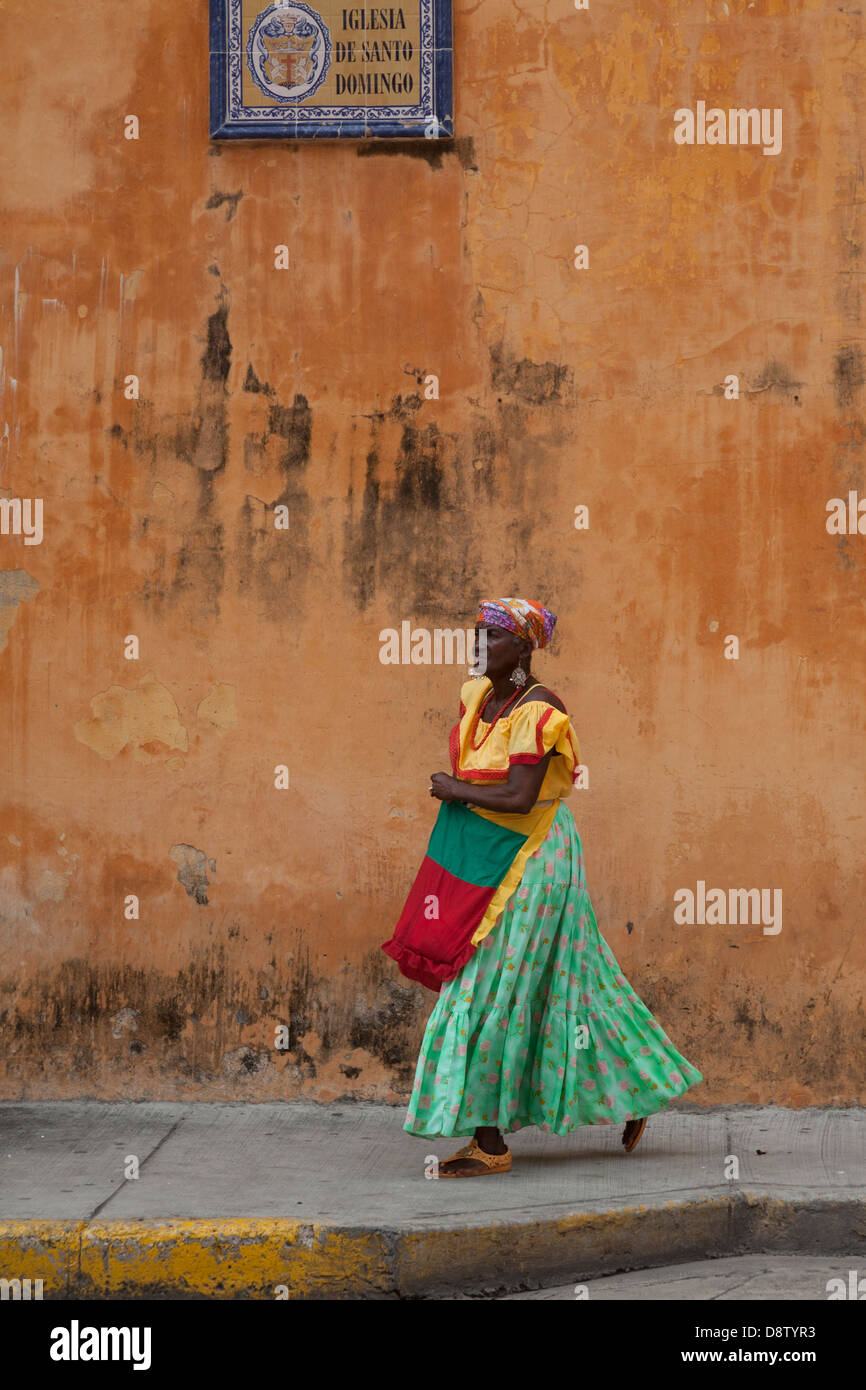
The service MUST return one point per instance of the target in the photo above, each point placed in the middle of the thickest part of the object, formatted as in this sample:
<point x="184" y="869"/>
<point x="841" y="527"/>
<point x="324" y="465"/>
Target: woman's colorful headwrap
<point x="520" y="615"/>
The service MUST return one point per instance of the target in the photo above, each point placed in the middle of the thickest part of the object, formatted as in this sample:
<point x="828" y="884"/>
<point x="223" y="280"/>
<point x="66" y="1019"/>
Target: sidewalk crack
<point x="102" y="1205"/>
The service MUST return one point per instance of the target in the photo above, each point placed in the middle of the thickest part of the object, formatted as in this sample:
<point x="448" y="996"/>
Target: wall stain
<point x="534" y="383"/>
<point x="16" y="586"/>
<point x="207" y="1025"/>
<point x="847" y="374"/>
<point x="252" y="383"/>
<point x="385" y="1017"/>
<point x="395" y="535"/>
<point x="431" y="151"/>
<point x="774" y="377"/>
<point x="403" y="530"/>
<point x="273" y="564"/>
<point x="202" y="443"/>
<point x="216" y="200"/>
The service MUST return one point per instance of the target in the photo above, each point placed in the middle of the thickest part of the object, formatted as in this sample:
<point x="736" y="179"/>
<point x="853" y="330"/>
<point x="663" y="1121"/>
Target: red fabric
<point x="433" y="950"/>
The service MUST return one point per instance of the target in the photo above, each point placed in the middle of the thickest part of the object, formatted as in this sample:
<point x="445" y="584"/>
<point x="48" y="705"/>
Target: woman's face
<point x="498" y="650"/>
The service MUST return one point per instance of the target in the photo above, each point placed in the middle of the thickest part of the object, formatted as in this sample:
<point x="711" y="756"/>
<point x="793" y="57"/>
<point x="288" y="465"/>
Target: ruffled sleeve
<point x="535" y="729"/>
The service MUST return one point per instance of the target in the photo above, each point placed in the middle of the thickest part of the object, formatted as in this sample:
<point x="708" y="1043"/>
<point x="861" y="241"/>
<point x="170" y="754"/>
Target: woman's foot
<point x="631" y="1135"/>
<point x="486" y="1140"/>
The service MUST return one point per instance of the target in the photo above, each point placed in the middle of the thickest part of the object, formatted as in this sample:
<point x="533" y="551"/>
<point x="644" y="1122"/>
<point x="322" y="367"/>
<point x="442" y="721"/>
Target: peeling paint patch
<point x="192" y="870"/>
<point x="219" y="708"/>
<point x="147" y="719"/>
<point x="125" y="1020"/>
<point x="15" y="587"/>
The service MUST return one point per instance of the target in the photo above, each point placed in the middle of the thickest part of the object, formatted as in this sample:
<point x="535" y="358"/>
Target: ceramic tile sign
<point x="330" y="70"/>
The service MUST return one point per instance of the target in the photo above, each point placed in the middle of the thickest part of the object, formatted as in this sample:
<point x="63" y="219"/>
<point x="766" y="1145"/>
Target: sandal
<point x="493" y="1163"/>
<point x="636" y="1138"/>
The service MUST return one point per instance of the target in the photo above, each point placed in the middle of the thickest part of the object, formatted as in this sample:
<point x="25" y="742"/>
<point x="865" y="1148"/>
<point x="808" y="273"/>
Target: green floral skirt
<point x="541" y="1027"/>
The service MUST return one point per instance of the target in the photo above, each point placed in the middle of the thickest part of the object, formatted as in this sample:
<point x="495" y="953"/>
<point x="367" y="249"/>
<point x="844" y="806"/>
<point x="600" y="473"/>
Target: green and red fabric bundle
<point x="467" y="858"/>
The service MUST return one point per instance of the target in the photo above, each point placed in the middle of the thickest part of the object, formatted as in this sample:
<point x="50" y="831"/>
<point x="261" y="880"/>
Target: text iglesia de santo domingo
<point x="397" y="83"/>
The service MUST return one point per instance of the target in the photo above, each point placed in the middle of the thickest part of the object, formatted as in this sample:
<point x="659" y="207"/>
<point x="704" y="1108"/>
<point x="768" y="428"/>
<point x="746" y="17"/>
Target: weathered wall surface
<point x="558" y="387"/>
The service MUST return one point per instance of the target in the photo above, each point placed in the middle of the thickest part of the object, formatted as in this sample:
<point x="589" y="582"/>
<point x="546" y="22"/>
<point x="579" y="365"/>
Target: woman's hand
<point x="443" y="786"/>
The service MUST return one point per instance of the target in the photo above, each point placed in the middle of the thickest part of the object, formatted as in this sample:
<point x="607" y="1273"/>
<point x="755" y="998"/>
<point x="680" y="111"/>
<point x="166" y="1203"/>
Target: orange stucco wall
<point x="557" y="387"/>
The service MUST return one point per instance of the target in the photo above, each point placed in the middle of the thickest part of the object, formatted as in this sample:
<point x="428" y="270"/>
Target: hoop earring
<point x="518" y="676"/>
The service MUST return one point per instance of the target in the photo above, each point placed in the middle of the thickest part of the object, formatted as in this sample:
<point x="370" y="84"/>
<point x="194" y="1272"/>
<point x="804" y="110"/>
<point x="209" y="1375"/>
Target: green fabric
<point x="471" y="848"/>
<point x="503" y="1043"/>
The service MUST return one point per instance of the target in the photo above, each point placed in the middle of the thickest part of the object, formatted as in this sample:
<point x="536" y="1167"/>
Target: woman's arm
<point x="516" y="796"/>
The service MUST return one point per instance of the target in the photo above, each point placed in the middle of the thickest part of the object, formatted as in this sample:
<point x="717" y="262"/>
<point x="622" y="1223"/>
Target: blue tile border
<point x="433" y="113"/>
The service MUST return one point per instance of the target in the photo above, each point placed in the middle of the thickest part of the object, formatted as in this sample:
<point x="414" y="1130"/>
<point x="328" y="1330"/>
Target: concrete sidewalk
<point x="307" y="1201"/>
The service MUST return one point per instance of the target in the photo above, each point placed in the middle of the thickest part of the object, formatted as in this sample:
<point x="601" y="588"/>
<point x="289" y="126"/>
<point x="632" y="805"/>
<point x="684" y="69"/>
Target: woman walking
<point x="535" y="1023"/>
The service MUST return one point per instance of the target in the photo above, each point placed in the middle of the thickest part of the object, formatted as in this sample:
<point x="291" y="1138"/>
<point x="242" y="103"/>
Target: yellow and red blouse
<point x="484" y="753"/>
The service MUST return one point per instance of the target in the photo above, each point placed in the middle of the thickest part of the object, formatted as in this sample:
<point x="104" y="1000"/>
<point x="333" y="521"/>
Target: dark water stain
<point x="216" y="200"/>
<point x="756" y="1019"/>
<point x="170" y="1019"/>
<point x="201" y="441"/>
<point x="361" y="537"/>
<point x="386" y="1016"/>
<point x="844" y="557"/>
<point x="485" y="446"/>
<point x="59" y="1024"/>
<point x="847" y="374"/>
<point x="252" y="383"/>
<point x="274" y="564"/>
<point x="775" y="377"/>
<point x="535" y="383"/>
<point x="431" y="151"/>
<point x="297" y="1000"/>
<point x="415" y="536"/>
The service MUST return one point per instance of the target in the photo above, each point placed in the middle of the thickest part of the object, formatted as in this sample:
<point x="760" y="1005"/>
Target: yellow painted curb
<point x="268" y="1258"/>
<point x="276" y="1258"/>
<point x="46" y="1250"/>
